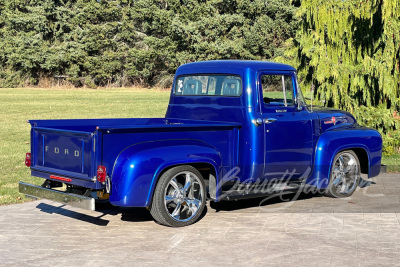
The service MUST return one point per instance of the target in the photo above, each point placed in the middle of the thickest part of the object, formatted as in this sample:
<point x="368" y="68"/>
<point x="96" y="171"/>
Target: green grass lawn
<point x="392" y="163"/>
<point x="19" y="105"/>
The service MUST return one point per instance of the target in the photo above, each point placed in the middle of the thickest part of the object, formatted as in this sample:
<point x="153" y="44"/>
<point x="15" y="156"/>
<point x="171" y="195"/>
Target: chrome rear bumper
<point x="58" y="196"/>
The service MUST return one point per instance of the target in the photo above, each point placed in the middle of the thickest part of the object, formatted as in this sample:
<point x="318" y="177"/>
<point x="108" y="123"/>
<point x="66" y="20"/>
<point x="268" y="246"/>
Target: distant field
<point x="19" y="105"/>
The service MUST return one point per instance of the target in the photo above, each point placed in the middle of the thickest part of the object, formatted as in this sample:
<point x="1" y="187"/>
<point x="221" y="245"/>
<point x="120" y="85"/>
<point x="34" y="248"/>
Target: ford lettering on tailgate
<point x="64" y="151"/>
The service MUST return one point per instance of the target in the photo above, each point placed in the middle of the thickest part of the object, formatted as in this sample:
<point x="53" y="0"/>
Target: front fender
<point x="333" y="141"/>
<point x="138" y="167"/>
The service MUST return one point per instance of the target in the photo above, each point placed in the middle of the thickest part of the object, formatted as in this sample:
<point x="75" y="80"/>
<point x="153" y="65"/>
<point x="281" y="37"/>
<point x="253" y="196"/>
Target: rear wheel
<point x="345" y="175"/>
<point x="179" y="197"/>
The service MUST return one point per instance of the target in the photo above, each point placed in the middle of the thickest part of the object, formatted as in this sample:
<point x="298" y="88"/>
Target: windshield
<point x="209" y="85"/>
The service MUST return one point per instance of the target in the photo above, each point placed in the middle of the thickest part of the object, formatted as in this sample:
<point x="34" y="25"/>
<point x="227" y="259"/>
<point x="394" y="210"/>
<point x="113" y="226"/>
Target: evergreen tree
<point x="350" y="51"/>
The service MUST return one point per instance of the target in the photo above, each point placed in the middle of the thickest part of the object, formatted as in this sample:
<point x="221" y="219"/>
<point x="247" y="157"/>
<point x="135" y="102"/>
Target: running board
<point x="276" y="189"/>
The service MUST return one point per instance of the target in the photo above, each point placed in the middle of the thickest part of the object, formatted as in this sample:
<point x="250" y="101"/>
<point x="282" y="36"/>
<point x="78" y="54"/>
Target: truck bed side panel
<point x="134" y="179"/>
<point x="221" y="140"/>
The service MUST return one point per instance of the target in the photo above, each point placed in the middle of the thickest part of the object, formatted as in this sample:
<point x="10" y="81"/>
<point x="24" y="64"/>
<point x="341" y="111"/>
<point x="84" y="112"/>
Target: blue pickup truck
<point x="233" y="129"/>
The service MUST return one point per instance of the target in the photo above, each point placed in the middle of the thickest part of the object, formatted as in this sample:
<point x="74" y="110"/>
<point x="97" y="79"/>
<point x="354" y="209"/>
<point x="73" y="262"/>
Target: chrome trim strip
<point x="269" y="120"/>
<point x="58" y="196"/>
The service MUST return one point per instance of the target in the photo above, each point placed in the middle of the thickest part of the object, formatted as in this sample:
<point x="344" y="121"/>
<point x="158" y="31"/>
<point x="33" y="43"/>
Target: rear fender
<point x="139" y="166"/>
<point x="333" y="141"/>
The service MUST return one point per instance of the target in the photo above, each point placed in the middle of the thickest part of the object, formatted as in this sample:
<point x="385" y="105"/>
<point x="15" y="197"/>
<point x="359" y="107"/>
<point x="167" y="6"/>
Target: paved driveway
<point x="359" y="231"/>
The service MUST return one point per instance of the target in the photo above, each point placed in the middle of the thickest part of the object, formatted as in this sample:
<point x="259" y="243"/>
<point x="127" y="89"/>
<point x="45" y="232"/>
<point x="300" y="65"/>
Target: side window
<point x="277" y="90"/>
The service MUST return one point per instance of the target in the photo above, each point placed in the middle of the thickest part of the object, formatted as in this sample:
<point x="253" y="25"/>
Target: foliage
<point x="105" y="42"/>
<point x="350" y="50"/>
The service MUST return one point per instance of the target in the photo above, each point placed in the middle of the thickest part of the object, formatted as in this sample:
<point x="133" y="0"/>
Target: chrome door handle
<point x="269" y="120"/>
<point x="257" y="122"/>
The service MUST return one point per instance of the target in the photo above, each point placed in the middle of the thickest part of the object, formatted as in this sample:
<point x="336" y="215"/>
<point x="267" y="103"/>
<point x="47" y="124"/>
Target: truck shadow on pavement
<point x="143" y="215"/>
<point x="60" y="210"/>
<point x="284" y="202"/>
<point x="127" y="214"/>
<point x="259" y="202"/>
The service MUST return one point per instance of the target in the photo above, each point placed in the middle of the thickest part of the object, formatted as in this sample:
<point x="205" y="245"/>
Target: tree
<point x="186" y="31"/>
<point x="120" y="42"/>
<point x="350" y="51"/>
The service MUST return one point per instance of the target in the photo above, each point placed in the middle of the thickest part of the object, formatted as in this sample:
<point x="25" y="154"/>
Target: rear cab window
<point x="209" y="85"/>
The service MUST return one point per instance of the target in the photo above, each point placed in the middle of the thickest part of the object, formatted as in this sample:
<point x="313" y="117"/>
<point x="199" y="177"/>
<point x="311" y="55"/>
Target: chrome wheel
<point x="183" y="196"/>
<point x="345" y="175"/>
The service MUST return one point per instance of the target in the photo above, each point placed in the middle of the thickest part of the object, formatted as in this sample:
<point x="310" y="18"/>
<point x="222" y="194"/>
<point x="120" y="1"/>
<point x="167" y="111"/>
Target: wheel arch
<point x="207" y="169"/>
<point x="138" y="167"/>
<point x="363" y="158"/>
<point x="362" y="153"/>
<point x="366" y="144"/>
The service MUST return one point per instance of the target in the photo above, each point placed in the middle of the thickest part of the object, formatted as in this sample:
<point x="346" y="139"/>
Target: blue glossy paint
<point x="293" y="154"/>
<point x="138" y="166"/>
<point x="203" y="129"/>
<point x="341" y="138"/>
<point x="63" y="152"/>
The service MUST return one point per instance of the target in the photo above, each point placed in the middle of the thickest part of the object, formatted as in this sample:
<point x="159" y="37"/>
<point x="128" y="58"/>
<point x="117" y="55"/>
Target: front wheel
<point x="345" y="175"/>
<point x="179" y="197"/>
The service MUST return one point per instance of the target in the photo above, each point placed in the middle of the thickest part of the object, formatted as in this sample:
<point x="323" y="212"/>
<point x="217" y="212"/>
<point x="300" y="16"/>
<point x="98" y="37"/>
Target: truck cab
<point x="233" y="129"/>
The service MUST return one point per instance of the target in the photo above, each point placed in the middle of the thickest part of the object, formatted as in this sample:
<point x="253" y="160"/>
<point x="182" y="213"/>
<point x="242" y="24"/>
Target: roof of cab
<point x="227" y="65"/>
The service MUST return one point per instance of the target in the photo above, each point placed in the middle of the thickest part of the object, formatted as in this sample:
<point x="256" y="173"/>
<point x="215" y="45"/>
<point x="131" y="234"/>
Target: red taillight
<point x="60" y="178"/>
<point x="28" y="160"/>
<point x="101" y="174"/>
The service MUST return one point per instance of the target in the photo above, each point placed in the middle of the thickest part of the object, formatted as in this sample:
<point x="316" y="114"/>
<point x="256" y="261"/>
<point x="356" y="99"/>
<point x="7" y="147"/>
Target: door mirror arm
<point x="299" y="106"/>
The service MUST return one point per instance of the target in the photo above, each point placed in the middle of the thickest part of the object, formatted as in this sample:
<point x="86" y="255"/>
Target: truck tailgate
<point x="63" y="152"/>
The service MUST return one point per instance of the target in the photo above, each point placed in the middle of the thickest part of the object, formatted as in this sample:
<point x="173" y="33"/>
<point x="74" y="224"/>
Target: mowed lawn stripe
<point x="17" y="105"/>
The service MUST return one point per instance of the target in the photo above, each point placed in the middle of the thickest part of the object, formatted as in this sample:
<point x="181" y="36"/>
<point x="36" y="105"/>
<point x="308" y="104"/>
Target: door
<point x="288" y="128"/>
